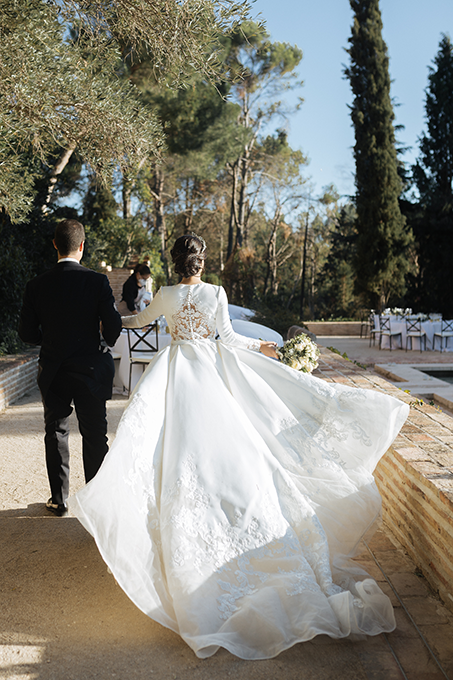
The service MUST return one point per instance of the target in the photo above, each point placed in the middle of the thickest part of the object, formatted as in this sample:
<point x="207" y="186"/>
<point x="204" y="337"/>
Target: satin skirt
<point x="235" y="495"/>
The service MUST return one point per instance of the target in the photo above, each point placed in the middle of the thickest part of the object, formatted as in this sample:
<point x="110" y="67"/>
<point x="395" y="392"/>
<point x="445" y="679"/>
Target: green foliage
<point x="113" y="239"/>
<point x="16" y="177"/>
<point x="432" y="217"/>
<point x="434" y="170"/>
<point x="383" y="239"/>
<point x="273" y="313"/>
<point x="180" y="37"/>
<point x="15" y="272"/>
<point x="212" y="278"/>
<point x="268" y="71"/>
<point x="67" y="100"/>
<point x="337" y="279"/>
<point x="57" y="91"/>
<point x="62" y="78"/>
<point x="249" y="52"/>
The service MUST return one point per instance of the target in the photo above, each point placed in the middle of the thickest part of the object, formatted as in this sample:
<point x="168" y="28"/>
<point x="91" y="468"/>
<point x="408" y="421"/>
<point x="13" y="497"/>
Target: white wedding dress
<point x="237" y="489"/>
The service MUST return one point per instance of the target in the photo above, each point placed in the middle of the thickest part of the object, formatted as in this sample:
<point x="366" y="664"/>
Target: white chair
<point x="365" y="323"/>
<point x="375" y="329"/>
<point x="446" y="332"/>
<point x="141" y="351"/>
<point x="386" y="332"/>
<point x="414" y="330"/>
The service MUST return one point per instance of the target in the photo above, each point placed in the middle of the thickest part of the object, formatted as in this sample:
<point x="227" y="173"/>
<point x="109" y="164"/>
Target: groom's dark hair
<point x="69" y="234"/>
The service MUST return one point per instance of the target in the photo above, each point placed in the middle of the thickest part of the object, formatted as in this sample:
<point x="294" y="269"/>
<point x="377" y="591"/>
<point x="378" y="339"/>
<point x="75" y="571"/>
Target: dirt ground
<point x="63" y="617"/>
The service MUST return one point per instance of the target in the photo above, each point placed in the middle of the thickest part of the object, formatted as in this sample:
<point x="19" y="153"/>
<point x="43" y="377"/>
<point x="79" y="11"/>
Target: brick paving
<point x="422" y="644"/>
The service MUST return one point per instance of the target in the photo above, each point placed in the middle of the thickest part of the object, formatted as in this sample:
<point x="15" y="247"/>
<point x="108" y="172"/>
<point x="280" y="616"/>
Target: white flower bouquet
<point x="300" y="353"/>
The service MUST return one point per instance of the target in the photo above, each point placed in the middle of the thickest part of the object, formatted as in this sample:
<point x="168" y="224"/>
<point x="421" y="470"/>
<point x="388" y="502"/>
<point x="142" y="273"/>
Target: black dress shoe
<point x="58" y="509"/>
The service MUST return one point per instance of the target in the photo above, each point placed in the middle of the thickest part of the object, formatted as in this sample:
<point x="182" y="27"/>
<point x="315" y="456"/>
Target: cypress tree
<point x="383" y="239"/>
<point x="433" y="175"/>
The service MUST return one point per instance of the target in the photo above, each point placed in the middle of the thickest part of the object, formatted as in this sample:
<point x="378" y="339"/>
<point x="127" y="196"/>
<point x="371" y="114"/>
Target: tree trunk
<point x="241" y="236"/>
<point x="221" y="262"/>
<point x="128" y="252"/>
<point x="188" y="212"/>
<point x="159" y="219"/>
<point x="57" y="170"/>
<point x="271" y="272"/>
<point x="127" y="193"/>
<point x="304" y="261"/>
<point x="312" y="284"/>
<point x="232" y="221"/>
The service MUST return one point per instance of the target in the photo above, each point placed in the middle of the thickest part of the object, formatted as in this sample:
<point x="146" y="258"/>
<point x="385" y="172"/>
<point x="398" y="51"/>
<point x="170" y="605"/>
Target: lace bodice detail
<point x="191" y="322"/>
<point x="193" y="313"/>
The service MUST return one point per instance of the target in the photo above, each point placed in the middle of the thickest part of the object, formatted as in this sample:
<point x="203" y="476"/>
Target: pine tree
<point x="433" y="175"/>
<point x="383" y="237"/>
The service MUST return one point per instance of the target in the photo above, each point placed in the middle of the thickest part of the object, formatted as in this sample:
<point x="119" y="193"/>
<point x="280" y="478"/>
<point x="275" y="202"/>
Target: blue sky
<point x="321" y="28"/>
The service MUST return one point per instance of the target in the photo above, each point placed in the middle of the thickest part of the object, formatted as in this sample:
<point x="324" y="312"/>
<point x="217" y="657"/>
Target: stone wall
<point x="416" y="483"/>
<point x="18" y="375"/>
<point x="333" y="327"/>
<point x="414" y="477"/>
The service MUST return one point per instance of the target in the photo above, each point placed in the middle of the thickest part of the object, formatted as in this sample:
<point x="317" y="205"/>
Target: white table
<point x="398" y="325"/>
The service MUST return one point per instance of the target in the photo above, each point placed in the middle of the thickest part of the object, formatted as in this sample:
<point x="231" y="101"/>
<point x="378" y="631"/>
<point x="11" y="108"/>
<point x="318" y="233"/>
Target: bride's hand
<point x="268" y="349"/>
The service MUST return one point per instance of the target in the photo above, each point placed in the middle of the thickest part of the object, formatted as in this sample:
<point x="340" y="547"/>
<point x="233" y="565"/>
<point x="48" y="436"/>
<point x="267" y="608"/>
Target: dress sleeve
<point x="148" y="315"/>
<point x="225" y="329"/>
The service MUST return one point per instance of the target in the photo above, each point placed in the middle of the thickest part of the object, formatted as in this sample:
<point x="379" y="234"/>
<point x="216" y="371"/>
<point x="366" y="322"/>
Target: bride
<point x="237" y="489"/>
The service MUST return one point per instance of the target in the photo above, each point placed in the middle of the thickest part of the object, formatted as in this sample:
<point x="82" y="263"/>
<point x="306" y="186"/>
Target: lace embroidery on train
<point x="191" y="322"/>
<point x="237" y="550"/>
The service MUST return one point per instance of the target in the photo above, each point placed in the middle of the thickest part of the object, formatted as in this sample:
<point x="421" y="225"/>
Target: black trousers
<point x="68" y="387"/>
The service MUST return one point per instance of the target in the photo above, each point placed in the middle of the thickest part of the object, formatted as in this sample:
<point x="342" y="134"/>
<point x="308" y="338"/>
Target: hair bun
<point x="188" y="255"/>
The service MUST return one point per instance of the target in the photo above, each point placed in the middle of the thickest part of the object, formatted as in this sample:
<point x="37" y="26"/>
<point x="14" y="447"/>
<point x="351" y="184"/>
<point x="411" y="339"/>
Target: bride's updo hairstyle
<point x="188" y="255"/>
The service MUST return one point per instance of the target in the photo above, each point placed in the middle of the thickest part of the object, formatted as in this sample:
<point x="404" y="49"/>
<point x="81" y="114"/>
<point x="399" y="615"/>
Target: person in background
<point x="133" y="291"/>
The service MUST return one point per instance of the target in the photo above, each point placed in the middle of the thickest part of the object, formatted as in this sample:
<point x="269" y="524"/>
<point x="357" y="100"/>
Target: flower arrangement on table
<point x="397" y="311"/>
<point x="405" y="313"/>
<point x="300" y="353"/>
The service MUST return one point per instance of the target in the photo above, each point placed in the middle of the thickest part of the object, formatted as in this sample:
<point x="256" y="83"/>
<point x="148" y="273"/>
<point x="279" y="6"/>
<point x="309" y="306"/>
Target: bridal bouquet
<point x="300" y="353"/>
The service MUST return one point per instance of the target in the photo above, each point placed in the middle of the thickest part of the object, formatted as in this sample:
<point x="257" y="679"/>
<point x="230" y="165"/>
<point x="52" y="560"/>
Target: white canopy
<point x="237" y="312"/>
<point x="256" y="330"/>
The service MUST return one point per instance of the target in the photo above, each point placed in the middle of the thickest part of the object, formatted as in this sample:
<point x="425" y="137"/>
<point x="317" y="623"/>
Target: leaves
<point x="383" y="240"/>
<point x="63" y="80"/>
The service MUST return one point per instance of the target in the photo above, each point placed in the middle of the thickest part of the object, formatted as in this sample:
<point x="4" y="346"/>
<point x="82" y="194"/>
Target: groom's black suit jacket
<point x="61" y="311"/>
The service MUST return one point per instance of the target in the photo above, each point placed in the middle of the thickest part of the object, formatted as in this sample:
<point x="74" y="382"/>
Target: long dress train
<point x="237" y="490"/>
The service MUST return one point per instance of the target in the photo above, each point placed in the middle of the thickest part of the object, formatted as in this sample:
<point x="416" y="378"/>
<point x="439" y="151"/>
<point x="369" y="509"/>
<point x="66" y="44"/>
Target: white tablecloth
<point x="398" y="325"/>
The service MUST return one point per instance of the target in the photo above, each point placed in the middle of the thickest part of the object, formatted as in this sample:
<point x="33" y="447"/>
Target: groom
<point x="64" y="310"/>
